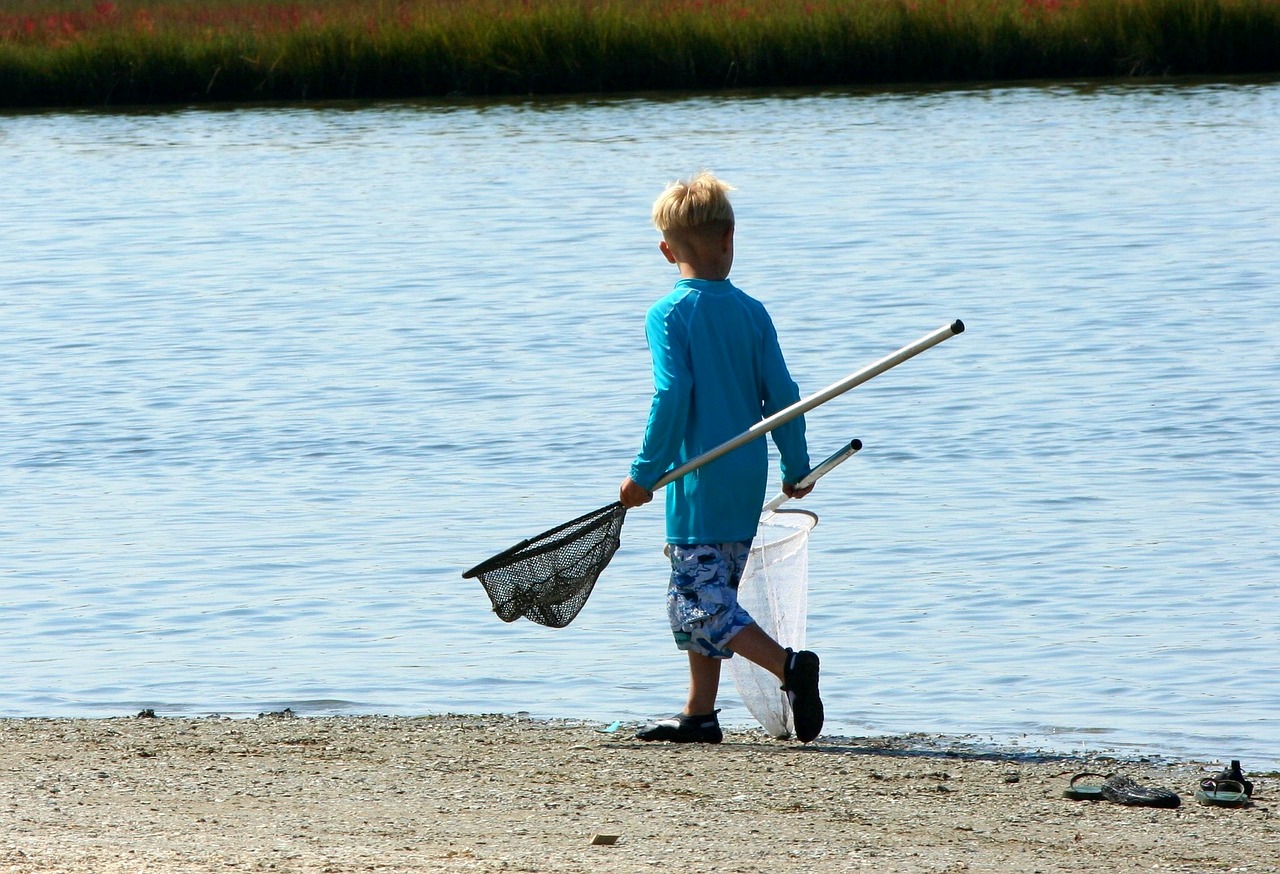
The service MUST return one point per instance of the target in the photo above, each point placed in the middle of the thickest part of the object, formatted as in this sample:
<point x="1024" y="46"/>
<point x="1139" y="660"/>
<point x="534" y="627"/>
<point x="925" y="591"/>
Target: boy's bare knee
<point x="755" y="646"/>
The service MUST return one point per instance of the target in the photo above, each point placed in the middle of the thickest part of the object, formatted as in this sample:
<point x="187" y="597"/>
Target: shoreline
<point x="502" y="793"/>
<point x="1009" y="744"/>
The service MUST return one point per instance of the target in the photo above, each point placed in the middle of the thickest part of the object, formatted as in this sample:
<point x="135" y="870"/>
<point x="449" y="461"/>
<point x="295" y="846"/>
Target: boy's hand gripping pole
<point x="800" y="407"/>
<point x="836" y="458"/>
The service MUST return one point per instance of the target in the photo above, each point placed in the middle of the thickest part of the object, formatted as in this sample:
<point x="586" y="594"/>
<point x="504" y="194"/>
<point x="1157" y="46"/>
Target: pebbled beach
<point x="497" y="793"/>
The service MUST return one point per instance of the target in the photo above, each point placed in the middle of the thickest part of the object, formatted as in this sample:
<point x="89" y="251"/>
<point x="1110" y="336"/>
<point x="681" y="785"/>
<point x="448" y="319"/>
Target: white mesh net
<point x="775" y="591"/>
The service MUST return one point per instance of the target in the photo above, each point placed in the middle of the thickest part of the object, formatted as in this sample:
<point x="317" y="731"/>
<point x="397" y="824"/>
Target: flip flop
<point x="1091" y="791"/>
<point x="1235" y="774"/>
<point x="1123" y="790"/>
<point x="1222" y="793"/>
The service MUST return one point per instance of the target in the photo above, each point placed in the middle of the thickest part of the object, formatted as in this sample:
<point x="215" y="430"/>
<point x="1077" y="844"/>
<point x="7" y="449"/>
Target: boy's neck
<point x="701" y="256"/>
<point x="710" y="263"/>
<point x="688" y="271"/>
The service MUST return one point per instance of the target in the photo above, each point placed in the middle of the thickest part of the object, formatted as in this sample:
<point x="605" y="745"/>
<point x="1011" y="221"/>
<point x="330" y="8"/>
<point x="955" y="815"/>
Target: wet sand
<point x="493" y="793"/>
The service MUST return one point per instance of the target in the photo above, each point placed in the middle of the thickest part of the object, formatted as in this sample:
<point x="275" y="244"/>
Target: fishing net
<point x="775" y="591"/>
<point x="548" y="578"/>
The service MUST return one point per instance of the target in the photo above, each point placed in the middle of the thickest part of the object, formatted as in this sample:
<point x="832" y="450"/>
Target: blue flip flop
<point x="1079" y="790"/>
<point x="1222" y="793"/>
<point x="1236" y="774"/>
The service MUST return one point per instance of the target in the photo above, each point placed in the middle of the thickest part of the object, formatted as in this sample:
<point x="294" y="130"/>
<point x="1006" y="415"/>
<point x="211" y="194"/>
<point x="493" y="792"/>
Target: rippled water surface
<point x="271" y="378"/>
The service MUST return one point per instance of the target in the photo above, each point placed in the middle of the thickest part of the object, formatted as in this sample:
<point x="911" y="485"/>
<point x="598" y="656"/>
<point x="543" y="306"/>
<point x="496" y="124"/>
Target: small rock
<point x="287" y="713"/>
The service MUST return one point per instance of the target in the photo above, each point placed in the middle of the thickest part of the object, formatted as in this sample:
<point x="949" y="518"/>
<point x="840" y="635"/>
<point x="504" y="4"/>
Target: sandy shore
<point x="491" y="793"/>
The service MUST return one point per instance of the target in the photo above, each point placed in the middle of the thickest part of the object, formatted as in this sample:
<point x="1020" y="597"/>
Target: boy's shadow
<point x="896" y="748"/>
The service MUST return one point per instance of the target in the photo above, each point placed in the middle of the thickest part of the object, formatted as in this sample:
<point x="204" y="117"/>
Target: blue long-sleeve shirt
<point x="717" y="371"/>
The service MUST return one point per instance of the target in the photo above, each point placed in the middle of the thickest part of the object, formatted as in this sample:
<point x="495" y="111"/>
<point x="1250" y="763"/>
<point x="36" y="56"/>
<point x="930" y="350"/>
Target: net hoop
<point x="547" y="579"/>
<point x="548" y="540"/>
<point x="781" y="527"/>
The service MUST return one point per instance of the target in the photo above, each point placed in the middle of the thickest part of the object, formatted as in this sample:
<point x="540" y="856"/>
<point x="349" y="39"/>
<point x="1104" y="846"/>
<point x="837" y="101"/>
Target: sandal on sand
<point x="1222" y="793"/>
<point x="1236" y="775"/>
<point x="1123" y="790"/>
<point x="1090" y="791"/>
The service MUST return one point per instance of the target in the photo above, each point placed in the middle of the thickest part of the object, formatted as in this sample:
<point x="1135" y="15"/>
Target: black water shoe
<point x="682" y="729"/>
<point x="1235" y="775"/>
<point x="1124" y="790"/>
<point x="801" y="685"/>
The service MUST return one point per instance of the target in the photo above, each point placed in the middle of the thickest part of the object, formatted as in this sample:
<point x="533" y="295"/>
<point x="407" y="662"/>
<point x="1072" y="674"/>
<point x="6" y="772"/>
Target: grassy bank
<point x="68" y="52"/>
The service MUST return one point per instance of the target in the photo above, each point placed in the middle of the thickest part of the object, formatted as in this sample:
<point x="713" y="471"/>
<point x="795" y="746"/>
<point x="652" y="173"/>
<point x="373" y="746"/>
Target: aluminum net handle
<point x="800" y="407"/>
<point x="834" y="460"/>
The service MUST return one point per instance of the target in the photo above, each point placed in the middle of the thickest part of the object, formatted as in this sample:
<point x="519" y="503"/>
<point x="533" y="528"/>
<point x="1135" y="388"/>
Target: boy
<point x="717" y="370"/>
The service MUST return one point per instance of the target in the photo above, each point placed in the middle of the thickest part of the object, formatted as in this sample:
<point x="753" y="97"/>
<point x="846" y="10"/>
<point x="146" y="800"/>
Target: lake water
<point x="272" y="378"/>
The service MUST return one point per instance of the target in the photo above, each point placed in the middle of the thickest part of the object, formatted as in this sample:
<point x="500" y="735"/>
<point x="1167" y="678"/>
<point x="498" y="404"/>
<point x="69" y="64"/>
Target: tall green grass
<point x="63" y="52"/>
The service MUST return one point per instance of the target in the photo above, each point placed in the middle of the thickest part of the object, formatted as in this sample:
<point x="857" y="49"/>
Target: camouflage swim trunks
<point x="702" y="600"/>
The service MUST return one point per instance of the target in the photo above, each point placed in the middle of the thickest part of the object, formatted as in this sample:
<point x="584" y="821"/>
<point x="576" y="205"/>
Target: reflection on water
<point x="275" y="376"/>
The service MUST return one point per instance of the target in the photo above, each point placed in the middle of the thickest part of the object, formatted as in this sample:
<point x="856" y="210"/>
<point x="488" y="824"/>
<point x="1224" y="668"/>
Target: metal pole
<point x="800" y="407"/>
<point x="836" y="458"/>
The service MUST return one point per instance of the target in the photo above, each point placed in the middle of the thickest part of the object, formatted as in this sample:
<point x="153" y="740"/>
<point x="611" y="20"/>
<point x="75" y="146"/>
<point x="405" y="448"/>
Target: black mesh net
<point x="548" y="578"/>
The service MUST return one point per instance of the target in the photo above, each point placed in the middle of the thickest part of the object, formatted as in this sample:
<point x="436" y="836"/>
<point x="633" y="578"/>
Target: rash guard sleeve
<point x="672" y="393"/>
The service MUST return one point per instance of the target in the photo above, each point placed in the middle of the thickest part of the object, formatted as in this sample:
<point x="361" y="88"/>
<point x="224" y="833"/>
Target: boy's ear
<point x="666" y="250"/>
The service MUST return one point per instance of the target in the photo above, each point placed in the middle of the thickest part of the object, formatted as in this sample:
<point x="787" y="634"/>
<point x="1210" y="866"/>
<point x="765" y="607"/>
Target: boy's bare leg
<point x="698" y="722"/>
<point x="755" y="646"/>
<point x="704" y="672"/>
<point x="802" y="686"/>
<point x="704" y="684"/>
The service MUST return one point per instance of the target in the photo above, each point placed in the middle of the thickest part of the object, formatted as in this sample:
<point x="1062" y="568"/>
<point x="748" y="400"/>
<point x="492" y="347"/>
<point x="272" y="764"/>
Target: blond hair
<point x="700" y="204"/>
